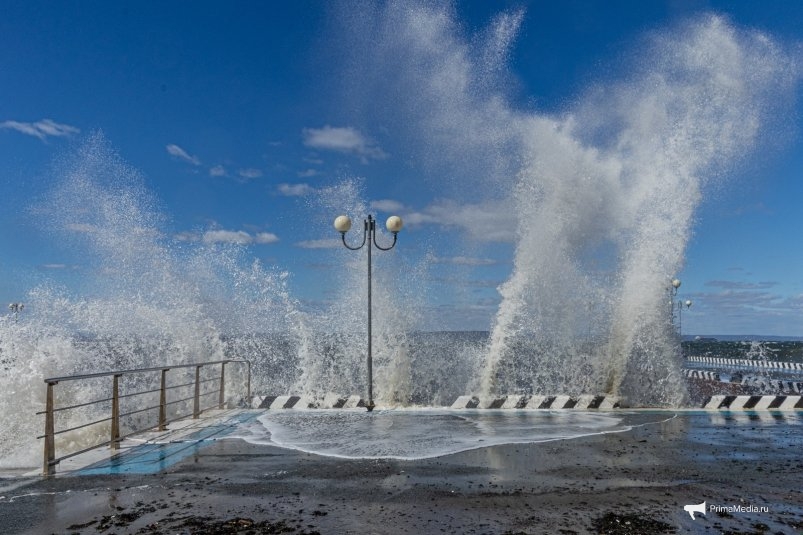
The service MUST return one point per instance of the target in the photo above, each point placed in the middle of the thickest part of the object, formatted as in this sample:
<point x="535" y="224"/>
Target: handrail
<point x="50" y="459"/>
<point x="136" y="370"/>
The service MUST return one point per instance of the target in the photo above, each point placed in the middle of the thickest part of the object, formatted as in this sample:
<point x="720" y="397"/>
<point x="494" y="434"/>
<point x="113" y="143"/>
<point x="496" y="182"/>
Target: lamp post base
<point x="370" y="406"/>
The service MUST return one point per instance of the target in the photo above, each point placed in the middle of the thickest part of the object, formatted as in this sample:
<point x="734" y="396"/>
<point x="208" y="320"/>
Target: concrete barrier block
<point x="491" y="402"/>
<point x="714" y="402"/>
<point x="332" y="401"/>
<point x="461" y="402"/>
<point x="739" y="402"/>
<point x="609" y="402"/>
<point x="512" y="401"/>
<point x="563" y="402"/>
<point x="279" y="402"/>
<point x="266" y="402"/>
<point x="764" y="403"/>
<point x="584" y="401"/>
<point x="303" y="402"/>
<point x="791" y="402"/>
<point x="353" y="402"/>
<point x="535" y="402"/>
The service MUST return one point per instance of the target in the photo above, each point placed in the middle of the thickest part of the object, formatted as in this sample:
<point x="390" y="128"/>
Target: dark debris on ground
<point x="195" y="525"/>
<point x="615" y="524"/>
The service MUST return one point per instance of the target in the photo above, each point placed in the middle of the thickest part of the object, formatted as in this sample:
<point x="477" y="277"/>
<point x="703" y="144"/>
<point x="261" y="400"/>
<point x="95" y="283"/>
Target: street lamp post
<point x="394" y="225"/>
<point x="687" y="303"/>
<point x="672" y="291"/>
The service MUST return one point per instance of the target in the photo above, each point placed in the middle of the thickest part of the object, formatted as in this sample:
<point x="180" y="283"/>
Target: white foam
<point x="421" y="434"/>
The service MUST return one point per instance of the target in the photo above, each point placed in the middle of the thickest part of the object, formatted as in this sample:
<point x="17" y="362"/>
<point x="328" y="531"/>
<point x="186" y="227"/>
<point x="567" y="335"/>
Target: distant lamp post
<point x="675" y="286"/>
<point x="672" y="290"/>
<point x="342" y="225"/>
<point x="15" y="309"/>
<point x="687" y="303"/>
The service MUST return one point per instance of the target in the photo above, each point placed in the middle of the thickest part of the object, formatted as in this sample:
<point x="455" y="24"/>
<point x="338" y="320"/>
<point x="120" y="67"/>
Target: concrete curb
<point x="757" y="403"/>
<point x="535" y="402"/>
<point x="582" y="402"/>
<point x="330" y="401"/>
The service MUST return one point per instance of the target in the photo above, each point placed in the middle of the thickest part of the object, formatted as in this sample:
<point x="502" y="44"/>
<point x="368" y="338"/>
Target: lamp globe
<point x="342" y="223"/>
<point x="394" y="224"/>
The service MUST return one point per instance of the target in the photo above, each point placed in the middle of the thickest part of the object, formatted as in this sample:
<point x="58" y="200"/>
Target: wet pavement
<point x="747" y="466"/>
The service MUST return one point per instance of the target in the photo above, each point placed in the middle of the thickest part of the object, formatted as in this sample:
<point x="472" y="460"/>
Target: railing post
<point x="48" y="467"/>
<point x="196" y="407"/>
<point x="248" y="395"/>
<point x="163" y="401"/>
<point x="222" y="396"/>
<point x="115" y="438"/>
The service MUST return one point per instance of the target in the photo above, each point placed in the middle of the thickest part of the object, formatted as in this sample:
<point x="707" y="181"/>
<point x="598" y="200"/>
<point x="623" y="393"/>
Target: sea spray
<point x="599" y="197"/>
<point x="150" y="299"/>
<point x="625" y="172"/>
<point x="147" y="300"/>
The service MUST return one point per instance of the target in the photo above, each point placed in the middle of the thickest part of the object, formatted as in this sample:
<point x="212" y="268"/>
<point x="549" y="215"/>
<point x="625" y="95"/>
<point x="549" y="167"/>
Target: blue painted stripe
<point x="153" y="458"/>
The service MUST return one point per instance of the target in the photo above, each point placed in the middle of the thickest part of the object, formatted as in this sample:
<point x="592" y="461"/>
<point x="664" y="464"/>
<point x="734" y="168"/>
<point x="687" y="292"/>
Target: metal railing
<point x="50" y="459"/>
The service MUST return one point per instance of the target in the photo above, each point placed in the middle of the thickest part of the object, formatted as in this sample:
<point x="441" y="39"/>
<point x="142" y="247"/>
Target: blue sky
<point x="238" y="115"/>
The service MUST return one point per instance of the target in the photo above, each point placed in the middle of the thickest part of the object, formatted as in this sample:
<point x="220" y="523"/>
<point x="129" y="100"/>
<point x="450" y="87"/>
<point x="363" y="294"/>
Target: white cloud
<point x="468" y="283"/>
<point x="187" y="236"/>
<point x="54" y="266"/>
<point x="491" y="221"/>
<point x="295" y="190"/>
<point x="343" y="139"/>
<point x="40" y="129"/>
<point x="239" y="237"/>
<point x="740" y="285"/>
<point x="387" y="205"/>
<point x="308" y="173"/>
<point x="743" y="308"/>
<point x="325" y="243"/>
<point x="464" y="261"/>
<point x="266" y="237"/>
<point x="217" y="170"/>
<point x="250" y="173"/>
<point x="181" y="154"/>
<point x="420" y="218"/>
